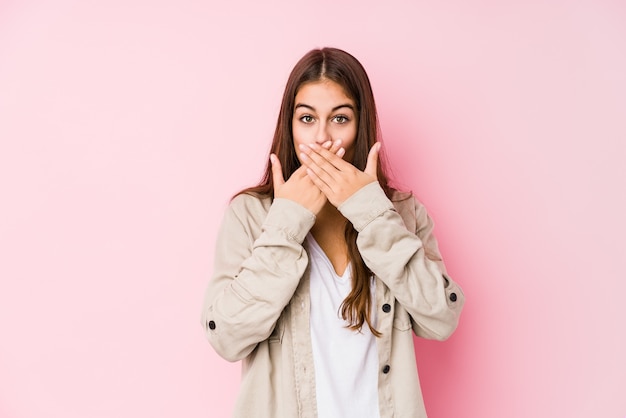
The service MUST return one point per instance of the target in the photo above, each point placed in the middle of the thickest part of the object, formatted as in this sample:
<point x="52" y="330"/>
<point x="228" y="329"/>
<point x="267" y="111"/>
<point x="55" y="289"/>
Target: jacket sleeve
<point x="258" y="263"/>
<point x="407" y="261"/>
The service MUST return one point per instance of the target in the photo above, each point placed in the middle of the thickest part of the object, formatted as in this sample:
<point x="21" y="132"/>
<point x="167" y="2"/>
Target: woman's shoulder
<point x="407" y="205"/>
<point x="403" y="196"/>
<point x="245" y="210"/>
<point x="396" y="195"/>
<point x="250" y="202"/>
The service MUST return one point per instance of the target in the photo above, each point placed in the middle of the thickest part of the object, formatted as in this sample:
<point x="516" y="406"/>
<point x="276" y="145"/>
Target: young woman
<point x="322" y="271"/>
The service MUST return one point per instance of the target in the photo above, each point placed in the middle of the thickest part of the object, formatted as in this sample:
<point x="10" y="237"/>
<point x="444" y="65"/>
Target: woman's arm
<point x="408" y="262"/>
<point x="258" y="263"/>
<point x="259" y="260"/>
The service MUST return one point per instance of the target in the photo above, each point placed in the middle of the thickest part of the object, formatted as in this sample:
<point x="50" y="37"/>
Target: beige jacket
<point x="256" y="306"/>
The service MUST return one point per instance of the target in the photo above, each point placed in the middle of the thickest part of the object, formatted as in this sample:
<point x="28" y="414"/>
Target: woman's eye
<point x="307" y="119"/>
<point x="340" y="119"/>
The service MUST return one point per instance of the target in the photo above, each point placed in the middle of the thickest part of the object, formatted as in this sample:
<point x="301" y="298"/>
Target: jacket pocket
<point x="279" y="329"/>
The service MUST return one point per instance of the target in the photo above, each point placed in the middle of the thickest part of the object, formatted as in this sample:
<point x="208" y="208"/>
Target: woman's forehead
<point x="325" y="93"/>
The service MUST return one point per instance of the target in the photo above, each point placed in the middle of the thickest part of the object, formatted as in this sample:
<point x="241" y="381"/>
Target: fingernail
<point x="338" y="142"/>
<point x="341" y="152"/>
<point x="302" y="147"/>
<point x="272" y="158"/>
<point x="327" y="144"/>
<point x="303" y="156"/>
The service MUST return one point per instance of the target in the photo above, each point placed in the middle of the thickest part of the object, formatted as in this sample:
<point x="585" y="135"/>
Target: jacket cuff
<point x="290" y="217"/>
<point x="368" y="203"/>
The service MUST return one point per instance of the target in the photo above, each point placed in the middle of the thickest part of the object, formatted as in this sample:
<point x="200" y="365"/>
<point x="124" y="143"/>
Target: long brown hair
<point x="342" y="68"/>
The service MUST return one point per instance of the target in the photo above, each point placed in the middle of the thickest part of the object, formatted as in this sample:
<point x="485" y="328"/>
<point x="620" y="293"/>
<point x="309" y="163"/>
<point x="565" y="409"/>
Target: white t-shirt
<point x="346" y="361"/>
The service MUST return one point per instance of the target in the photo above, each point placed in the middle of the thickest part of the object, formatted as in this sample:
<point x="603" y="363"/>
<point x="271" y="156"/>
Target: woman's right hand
<point x="299" y="187"/>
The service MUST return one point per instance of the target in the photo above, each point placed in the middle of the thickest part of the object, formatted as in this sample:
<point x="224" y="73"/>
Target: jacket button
<point x="453" y="297"/>
<point x="212" y="324"/>
<point x="386" y="369"/>
<point x="386" y="308"/>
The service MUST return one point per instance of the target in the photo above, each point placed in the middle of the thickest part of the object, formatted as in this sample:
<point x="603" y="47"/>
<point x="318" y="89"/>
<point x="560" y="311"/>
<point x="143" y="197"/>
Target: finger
<point x="372" y="160"/>
<point x="323" y="169"/>
<point x="325" y="158"/>
<point x="336" y="147"/>
<point x="300" y="173"/>
<point x="318" y="182"/>
<point x="332" y="146"/>
<point x="314" y="171"/>
<point x="277" y="171"/>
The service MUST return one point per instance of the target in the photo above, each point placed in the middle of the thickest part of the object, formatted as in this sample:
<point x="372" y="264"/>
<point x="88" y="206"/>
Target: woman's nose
<point x="323" y="134"/>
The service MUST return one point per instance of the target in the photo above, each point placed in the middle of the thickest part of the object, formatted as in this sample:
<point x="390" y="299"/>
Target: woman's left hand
<point x="335" y="177"/>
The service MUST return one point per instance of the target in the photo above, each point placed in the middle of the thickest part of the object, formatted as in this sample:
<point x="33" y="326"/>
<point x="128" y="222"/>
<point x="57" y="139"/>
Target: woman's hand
<point x="299" y="187"/>
<point x="336" y="178"/>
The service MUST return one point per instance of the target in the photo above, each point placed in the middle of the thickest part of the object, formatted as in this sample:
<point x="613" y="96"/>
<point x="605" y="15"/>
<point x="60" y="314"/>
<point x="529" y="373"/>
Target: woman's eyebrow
<point x="348" y="105"/>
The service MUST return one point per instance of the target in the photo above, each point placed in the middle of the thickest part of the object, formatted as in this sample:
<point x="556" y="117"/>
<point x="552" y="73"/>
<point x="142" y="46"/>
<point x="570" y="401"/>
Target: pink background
<point x="126" y="125"/>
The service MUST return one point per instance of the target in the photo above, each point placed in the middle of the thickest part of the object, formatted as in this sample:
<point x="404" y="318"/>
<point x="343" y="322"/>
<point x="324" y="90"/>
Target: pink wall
<point x="126" y="125"/>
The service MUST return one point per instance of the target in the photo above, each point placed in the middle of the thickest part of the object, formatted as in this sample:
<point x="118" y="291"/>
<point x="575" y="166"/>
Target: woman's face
<point x="323" y="112"/>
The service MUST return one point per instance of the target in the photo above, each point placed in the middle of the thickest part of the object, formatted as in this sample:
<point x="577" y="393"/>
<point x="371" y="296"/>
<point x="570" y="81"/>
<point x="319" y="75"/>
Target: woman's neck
<point x="329" y="233"/>
<point x="329" y="219"/>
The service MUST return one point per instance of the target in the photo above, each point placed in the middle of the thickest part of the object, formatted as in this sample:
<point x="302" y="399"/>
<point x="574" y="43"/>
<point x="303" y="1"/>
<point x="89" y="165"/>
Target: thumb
<point x="277" y="172"/>
<point x="372" y="161"/>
